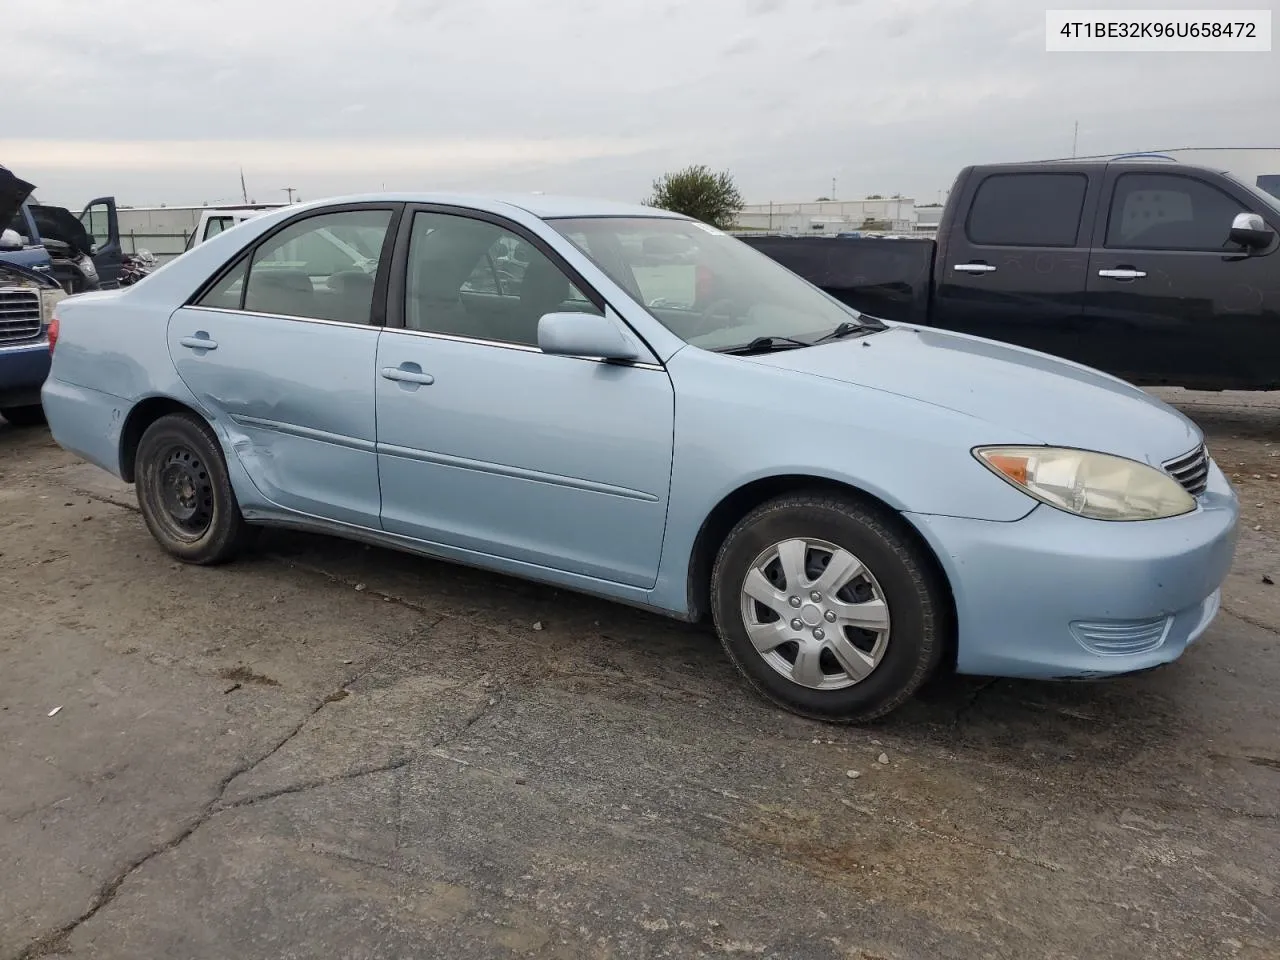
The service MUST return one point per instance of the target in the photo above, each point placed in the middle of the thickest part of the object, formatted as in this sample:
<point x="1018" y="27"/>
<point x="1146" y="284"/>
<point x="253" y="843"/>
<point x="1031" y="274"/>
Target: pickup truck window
<point x="215" y="226"/>
<point x="1027" y="210"/>
<point x="1161" y="211"/>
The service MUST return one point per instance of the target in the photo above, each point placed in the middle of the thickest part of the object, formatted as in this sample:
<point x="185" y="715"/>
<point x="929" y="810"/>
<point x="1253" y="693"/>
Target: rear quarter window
<point x="1027" y="210"/>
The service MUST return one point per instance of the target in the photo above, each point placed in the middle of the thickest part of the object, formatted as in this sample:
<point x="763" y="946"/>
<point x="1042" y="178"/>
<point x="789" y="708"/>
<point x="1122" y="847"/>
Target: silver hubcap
<point x="815" y="614"/>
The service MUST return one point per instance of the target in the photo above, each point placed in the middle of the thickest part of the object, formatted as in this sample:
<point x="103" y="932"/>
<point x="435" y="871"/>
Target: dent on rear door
<point x="296" y="401"/>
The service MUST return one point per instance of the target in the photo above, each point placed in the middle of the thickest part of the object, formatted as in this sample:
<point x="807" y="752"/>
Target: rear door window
<point x="1027" y="210"/>
<point x="324" y="267"/>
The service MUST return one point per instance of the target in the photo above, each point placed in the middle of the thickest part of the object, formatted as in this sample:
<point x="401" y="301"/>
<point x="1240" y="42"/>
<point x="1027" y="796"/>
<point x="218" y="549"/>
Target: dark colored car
<point x="19" y="239"/>
<point x="27" y="298"/>
<point x="83" y="252"/>
<point x="1154" y="271"/>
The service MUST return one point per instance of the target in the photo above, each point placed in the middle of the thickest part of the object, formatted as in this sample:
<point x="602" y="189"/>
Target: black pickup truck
<point x="1154" y="271"/>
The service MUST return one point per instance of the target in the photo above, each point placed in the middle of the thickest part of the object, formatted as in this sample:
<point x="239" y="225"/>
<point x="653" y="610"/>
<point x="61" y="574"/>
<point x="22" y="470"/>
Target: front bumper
<point x="1054" y="596"/>
<point x="23" y="366"/>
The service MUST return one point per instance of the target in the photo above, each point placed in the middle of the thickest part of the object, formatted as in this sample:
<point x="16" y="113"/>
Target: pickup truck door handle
<point x="199" y="342"/>
<point x="406" y="374"/>
<point x="974" y="268"/>
<point x="1122" y="273"/>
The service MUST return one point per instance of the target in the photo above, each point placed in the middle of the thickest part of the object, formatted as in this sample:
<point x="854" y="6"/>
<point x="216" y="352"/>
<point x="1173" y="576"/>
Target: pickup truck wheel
<point x="184" y="492"/>
<point x="23" y="416"/>
<point x="827" y="608"/>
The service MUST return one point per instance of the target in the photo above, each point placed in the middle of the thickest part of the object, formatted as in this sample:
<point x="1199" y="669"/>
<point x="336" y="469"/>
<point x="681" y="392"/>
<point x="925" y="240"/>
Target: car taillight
<point x="53" y="333"/>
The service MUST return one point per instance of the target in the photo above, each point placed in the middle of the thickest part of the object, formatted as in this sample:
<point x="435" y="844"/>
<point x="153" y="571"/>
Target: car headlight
<point x="1094" y="485"/>
<point x="89" y="267"/>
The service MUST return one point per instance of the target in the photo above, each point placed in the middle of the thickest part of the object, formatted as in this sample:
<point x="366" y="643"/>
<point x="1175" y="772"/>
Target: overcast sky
<point x="164" y="102"/>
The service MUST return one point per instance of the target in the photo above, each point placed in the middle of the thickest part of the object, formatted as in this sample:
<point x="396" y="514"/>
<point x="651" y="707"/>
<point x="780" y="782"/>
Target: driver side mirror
<point x="11" y="240"/>
<point x="1250" y="230"/>
<point x="571" y="334"/>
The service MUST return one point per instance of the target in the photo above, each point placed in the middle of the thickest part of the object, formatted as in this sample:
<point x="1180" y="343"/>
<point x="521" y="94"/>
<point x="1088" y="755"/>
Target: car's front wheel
<point x="184" y="492"/>
<point x="827" y="608"/>
<point x="23" y="416"/>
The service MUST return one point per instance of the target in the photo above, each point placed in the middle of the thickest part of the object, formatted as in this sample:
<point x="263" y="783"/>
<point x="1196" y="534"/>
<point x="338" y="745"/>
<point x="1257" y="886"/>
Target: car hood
<point x="59" y="223"/>
<point x="15" y="273"/>
<point x="1021" y="393"/>
<point x="13" y="194"/>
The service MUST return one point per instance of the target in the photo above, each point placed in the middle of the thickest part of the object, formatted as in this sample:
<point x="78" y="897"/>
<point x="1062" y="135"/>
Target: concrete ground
<point x="333" y="751"/>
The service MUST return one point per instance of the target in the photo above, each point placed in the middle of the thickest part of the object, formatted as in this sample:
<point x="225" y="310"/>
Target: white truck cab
<point x="213" y="222"/>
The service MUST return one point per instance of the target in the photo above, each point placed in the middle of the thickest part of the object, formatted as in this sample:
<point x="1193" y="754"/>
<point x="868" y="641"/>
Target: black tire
<point x="914" y="593"/>
<point x="23" y="416"/>
<point x="184" y="492"/>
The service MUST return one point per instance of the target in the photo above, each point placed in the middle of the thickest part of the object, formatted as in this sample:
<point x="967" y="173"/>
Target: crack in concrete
<point x="1251" y="621"/>
<point x="102" y="498"/>
<point x="973" y="699"/>
<point x="395" y="764"/>
<point x="305" y="785"/>
<point x="56" y="940"/>
<point x="319" y="571"/>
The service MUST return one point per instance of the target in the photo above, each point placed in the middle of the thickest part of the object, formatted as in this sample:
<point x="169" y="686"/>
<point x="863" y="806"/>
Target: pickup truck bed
<point x="885" y="278"/>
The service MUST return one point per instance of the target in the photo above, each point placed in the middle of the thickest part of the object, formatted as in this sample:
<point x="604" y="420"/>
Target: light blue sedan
<point x="632" y="404"/>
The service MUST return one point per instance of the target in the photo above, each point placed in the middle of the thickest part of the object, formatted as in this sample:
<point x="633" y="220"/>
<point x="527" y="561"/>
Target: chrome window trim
<point x="285" y="316"/>
<point x="478" y="341"/>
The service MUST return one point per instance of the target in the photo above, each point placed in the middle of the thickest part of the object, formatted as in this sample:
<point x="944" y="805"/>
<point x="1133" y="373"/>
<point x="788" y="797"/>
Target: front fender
<point x="739" y="423"/>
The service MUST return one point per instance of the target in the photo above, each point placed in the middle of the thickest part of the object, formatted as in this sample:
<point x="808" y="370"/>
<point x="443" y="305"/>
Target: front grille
<point x="1191" y="470"/>
<point x="19" y="314"/>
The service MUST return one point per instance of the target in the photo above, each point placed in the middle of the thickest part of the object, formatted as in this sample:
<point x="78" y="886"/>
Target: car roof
<point x="1135" y="162"/>
<point x="543" y="206"/>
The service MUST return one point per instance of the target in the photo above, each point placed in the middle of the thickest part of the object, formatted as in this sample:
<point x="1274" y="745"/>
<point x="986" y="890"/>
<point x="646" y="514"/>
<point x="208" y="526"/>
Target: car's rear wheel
<point x="185" y="494"/>
<point x="828" y="608"/>
<point x="23" y="416"/>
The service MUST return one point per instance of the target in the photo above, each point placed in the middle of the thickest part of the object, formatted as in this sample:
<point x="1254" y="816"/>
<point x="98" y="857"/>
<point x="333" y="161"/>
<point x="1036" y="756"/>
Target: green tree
<point x="699" y="193"/>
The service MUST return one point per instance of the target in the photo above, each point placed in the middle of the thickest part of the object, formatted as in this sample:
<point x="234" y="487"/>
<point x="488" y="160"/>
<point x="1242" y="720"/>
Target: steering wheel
<point x="706" y="319"/>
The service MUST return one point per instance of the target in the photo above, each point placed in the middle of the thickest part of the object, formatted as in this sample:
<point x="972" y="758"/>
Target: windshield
<point x="706" y="287"/>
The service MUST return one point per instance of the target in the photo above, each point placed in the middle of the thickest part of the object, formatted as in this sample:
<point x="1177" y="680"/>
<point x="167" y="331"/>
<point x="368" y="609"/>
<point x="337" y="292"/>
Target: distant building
<point x="927" y="219"/>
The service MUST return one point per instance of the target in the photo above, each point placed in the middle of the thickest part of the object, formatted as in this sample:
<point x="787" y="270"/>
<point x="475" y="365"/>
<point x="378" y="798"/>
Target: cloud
<point x="744" y="43"/>
<point x="313" y="156"/>
<point x="586" y="96"/>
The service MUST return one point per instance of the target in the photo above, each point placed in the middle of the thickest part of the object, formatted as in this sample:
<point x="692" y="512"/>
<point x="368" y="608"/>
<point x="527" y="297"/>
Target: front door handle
<point x="1122" y="273"/>
<point x="974" y="268"/>
<point x="199" y="343"/>
<point x="408" y="376"/>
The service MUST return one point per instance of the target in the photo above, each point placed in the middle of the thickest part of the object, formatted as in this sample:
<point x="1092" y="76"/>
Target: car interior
<point x="453" y="287"/>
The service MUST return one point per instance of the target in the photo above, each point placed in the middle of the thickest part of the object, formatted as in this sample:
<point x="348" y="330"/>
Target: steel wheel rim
<point x="183" y="492"/>
<point x="815" y="613"/>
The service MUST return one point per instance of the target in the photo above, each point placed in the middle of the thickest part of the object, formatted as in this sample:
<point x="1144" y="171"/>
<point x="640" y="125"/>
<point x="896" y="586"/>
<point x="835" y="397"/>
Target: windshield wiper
<point x="847" y="328"/>
<point x="765" y="345"/>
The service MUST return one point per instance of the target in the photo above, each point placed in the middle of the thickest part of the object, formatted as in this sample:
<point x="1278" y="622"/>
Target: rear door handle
<point x="199" y="343"/>
<point x="974" y="268"/>
<point x="1122" y="273"/>
<point x="408" y="376"/>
